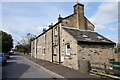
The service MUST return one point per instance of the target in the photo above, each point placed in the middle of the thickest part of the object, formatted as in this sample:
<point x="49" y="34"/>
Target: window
<point x="55" y="32"/>
<point x="44" y="37"/>
<point x="85" y="36"/>
<point x="99" y="37"/>
<point x="105" y="40"/>
<point x="55" y="51"/>
<point x="68" y="49"/>
<point x="43" y="51"/>
<point x="62" y="58"/>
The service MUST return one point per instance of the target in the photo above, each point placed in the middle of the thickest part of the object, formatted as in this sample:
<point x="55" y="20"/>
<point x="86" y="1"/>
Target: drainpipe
<point x="36" y="47"/>
<point x="52" y="45"/>
<point x="59" y="45"/>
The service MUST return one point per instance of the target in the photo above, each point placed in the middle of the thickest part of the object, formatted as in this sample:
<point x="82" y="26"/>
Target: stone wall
<point x="89" y="25"/>
<point x="96" y="53"/>
<point x="70" y="21"/>
<point x="78" y="20"/>
<point x="68" y="60"/>
<point x="44" y="45"/>
<point x="56" y="44"/>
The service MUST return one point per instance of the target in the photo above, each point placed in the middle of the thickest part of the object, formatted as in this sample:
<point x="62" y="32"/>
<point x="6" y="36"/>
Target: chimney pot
<point x="44" y="29"/>
<point x="59" y="15"/>
<point x="76" y="1"/>
<point x="50" y="25"/>
<point x="59" y="18"/>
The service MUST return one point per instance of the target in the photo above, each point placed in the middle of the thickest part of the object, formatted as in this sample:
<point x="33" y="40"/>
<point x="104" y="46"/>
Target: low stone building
<point x="72" y="41"/>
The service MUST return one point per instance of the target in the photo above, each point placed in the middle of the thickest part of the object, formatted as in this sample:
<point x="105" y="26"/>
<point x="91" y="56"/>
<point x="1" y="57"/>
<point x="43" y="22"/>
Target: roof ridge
<point x="77" y="29"/>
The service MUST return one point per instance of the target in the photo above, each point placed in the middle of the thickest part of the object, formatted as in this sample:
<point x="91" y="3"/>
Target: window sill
<point x="43" y="54"/>
<point x="68" y="55"/>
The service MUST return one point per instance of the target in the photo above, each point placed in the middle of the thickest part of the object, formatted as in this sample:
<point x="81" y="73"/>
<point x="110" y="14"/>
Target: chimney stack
<point x="59" y="18"/>
<point x="79" y="11"/>
<point x="44" y="29"/>
<point x="76" y="1"/>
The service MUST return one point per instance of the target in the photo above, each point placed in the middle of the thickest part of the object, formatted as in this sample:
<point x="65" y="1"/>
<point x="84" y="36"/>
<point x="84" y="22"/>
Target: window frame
<point x="68" y="49"/>
<point x="55" y="31"/>
<point x="43" y="51"/>
<point x="54" y="51"/>
<point x="99" y="37"/>
<point x="45" y="38"/>
<point x="85" y="36"/>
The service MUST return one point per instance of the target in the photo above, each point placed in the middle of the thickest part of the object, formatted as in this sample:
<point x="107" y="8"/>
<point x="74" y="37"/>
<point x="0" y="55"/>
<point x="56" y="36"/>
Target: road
<point x="20" y="67"/>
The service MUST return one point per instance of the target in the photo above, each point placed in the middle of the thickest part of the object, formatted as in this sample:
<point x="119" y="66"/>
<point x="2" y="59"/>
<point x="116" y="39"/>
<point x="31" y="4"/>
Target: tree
<point x="7" y="42"/>
<point x="24" y="45"/>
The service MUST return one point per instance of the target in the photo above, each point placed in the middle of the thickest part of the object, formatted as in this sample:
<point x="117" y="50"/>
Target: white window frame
<point x="55" y="31"/>
<point x="85" y="36"/>
<point x="62" y="58"/>
<point x="45" y="37"/>
<point x="99" y="37"/>
<point x="55" y="51"/>
<point x="43" y="51"/>
<point x="67" y="50"/>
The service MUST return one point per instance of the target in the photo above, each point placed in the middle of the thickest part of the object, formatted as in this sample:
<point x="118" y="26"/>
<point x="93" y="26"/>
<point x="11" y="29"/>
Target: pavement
<point x="60" y="70"/>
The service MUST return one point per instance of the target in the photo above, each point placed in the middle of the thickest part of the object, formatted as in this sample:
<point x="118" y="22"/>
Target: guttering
<point x="88" y="42"/>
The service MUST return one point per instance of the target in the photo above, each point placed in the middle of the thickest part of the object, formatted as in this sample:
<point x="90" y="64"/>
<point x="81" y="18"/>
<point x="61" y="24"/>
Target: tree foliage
<point x="7" y="42"/>
<point x="24" y="45"/>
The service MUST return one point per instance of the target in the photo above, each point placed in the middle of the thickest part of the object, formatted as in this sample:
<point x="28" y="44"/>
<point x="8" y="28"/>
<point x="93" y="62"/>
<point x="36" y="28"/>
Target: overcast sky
<point x="20" y="18"/>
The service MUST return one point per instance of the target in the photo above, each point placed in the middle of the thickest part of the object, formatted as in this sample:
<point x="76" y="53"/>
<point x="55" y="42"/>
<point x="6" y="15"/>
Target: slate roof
<point x="87" y="36"/>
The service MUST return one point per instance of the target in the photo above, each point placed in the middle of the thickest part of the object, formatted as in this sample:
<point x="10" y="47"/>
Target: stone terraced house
<point x="72" y="41"/>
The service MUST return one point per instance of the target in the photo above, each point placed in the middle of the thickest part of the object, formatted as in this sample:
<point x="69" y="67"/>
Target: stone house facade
<point x="71" y="41"/>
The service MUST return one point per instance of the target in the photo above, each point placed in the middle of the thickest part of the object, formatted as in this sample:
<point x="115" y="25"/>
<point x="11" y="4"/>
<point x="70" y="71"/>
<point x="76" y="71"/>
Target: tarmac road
<point x="19" y="67"/>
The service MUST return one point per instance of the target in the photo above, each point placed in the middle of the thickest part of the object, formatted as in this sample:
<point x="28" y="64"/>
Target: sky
<point x="20" y="18"/>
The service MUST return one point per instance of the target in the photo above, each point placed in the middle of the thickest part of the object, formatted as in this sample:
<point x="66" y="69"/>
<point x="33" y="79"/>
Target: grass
<point x="26" y="55"/>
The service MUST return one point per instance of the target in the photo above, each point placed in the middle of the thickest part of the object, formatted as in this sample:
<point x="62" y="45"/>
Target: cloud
<point x="59" y="0"/>
<point x="107" y="13"/>
<point x="112" y="29"/>
<point x="114" y="38"/>
<point x="20" y="26"/>
<point x="0" y="14"/>
<point x="37" y="30"/>
<point x="100" y="27"/>
<point x="22" y="18"/>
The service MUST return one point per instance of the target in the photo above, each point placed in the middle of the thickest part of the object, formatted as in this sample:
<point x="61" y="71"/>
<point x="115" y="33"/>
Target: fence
<point x="108" y="70"/>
